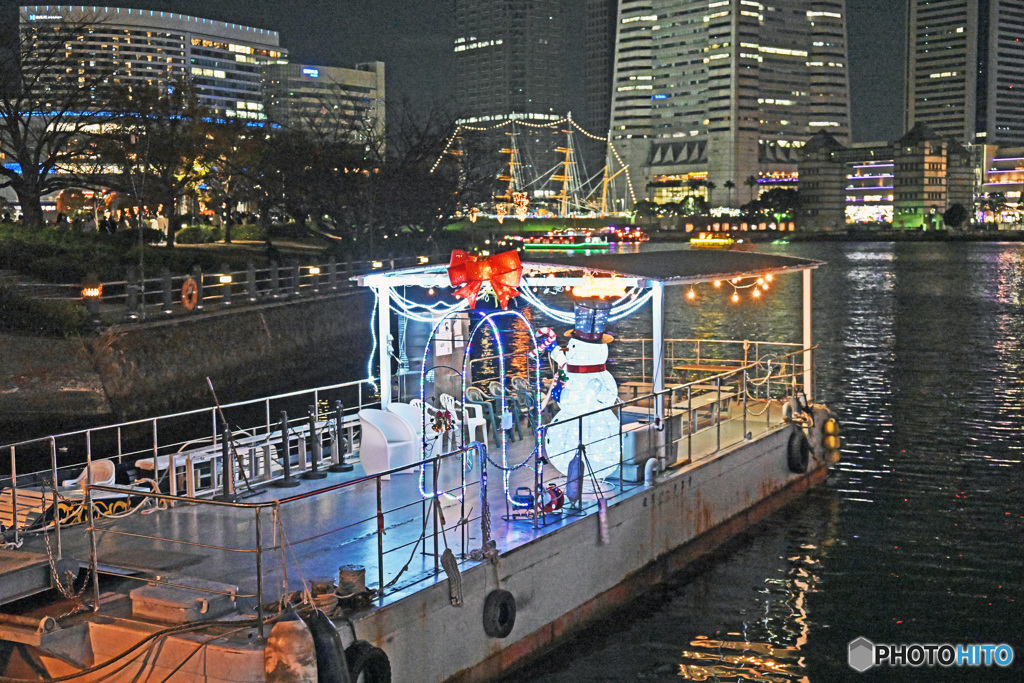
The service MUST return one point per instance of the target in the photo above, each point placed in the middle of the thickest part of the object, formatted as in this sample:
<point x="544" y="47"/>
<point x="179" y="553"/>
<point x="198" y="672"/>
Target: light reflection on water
<point x="917" y="535"/>
<point x="515" y="342"/>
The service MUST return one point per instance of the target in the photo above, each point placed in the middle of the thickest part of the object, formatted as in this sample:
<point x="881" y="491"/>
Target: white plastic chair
<point x="411" y="414"/>
<point x="386" y="441"/>
<point x="470" y="414"/>
<point x="98" y="473"/>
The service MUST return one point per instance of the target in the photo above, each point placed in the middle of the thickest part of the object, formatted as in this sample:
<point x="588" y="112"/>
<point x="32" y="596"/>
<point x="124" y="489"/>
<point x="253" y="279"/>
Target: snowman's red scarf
<point x="583" y="369"/>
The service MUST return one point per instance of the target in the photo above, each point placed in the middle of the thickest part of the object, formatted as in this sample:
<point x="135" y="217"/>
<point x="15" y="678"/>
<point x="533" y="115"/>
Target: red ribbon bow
<point x="502" y="271"/>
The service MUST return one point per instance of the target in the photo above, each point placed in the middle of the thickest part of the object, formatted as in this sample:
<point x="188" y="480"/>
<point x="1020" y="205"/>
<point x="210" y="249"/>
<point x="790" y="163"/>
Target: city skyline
<point x="726" y="95"/>
<point x="416" y="42"/>
<point x="964" y="70"/>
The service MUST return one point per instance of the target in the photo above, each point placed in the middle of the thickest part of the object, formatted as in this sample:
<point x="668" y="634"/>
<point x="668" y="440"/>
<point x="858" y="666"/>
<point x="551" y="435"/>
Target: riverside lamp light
<point x="225" y="280"/>
<point x="92" y="290"/>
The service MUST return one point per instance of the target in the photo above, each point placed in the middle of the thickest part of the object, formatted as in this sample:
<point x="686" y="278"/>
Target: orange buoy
<point x="189" y="294"/>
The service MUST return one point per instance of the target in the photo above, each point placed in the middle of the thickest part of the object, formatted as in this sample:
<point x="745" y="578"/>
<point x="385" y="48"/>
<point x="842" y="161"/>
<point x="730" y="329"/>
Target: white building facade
<point x="137" y="47"/>
<point x="723" y="91"/>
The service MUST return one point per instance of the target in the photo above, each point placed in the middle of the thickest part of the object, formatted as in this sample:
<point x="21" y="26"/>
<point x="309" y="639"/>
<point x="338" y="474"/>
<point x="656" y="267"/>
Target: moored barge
<point x="434" y="521"/>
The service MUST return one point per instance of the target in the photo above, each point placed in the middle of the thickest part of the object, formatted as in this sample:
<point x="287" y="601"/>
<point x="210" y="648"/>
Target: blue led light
<point x="489" y="320"/>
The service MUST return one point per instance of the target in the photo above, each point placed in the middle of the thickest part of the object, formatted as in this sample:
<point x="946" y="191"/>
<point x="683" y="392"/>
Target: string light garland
<point x="757" y="284"/>
<point x="620" y="309"/>
<point x="422" y="312"/>
<point x="373" y="345"/>
<point x="551" y="124"/>
<point x="489" y="320"/>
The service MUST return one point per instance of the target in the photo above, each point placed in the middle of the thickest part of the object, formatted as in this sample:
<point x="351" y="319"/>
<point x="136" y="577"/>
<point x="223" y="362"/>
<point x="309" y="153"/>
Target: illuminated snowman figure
<point x="588" y="387"/>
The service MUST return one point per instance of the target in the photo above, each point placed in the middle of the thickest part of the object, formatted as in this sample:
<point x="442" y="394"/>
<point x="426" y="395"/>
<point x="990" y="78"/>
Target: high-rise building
<point x="510" y="59"/>
<point x="965" y="69"/>
<point x="329" y="100"/>
<point x="723" y="94"/>
<point x="599" y="58"/>
<point x="9" y="58"/>
<point x="510" y="64"/>
<point x="136" y="47"/>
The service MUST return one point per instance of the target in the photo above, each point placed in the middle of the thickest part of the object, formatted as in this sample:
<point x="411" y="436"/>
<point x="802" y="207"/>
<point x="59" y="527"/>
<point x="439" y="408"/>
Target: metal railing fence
<point x="229" y="513"/>
<point x="157" y="444"/>
<point x="168" y="295"/>
<point x="682" y="424"/>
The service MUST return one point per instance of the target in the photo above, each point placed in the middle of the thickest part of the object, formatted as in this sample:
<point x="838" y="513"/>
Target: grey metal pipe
<point x="259" y="574"/>
<point x="14" y="493"/>
<point x="380" y="544"/>
<point x="56" y="507"/>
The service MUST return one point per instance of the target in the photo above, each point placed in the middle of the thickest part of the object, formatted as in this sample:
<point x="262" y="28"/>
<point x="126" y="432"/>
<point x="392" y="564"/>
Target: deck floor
<point x="323" y="532"/>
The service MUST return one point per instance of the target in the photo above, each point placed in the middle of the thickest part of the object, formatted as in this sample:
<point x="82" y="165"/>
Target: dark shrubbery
<point x="247" y="231"/>
<point x="190" y="235"/>
<point x="200" y="234"/>
<point x="291" y="229"/>
<point x="49" y="255"/>
<point x="21" y="314"/>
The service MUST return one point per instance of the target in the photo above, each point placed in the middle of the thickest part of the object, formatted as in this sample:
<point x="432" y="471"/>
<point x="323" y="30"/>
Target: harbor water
<point x="917" y="535"/>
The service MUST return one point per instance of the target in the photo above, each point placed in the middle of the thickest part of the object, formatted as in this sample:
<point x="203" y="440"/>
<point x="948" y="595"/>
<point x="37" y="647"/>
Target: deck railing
<point x="241" y="515"/>
<point x="634" y="357"/>
<point x="155" y="447"/>
<point x="683" y="424"/>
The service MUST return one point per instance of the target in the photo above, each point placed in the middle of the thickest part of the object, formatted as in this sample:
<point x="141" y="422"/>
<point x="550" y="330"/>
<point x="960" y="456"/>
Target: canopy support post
<point x="658" y="352"/>
<point x="384" y="343"/>
<point x="808" y="389"/>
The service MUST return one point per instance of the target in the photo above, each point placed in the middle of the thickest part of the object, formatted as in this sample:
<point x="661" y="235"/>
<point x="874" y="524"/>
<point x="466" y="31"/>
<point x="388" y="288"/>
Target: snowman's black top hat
<point x="591" y="321"/>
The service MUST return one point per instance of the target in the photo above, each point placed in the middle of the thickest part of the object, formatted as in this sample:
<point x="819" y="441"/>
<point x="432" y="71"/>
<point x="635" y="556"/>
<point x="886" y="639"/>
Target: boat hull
<point x="565" y="580"/>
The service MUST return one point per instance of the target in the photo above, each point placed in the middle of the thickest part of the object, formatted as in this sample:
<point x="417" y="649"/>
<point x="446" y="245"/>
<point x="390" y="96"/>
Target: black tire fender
<point x="798" y="452"/>
<point x="367" y="663"/>
<point x="331" y="666"/>
<point x="499" y="613"/>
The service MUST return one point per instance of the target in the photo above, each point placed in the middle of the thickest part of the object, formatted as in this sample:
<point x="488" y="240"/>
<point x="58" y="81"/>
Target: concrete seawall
<point x="161" y="366"/>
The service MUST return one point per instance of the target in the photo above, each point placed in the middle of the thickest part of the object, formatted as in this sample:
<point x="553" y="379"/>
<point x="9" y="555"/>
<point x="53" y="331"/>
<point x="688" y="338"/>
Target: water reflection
<point x="771" y="645"/>
<point x="916" y="537"/>
<point x="516" y="343"/>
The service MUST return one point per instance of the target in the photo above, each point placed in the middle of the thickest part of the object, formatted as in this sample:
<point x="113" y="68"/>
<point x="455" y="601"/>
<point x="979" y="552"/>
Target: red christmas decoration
<point x="503" y="272"/>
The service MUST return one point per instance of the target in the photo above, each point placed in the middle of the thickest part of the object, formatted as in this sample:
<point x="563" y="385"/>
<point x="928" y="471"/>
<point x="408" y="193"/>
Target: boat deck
<point x="308" y="537"/>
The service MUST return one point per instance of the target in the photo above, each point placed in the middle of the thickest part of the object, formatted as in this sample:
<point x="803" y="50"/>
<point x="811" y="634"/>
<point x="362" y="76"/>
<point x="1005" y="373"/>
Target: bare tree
<point x="51" y="103"/>
<point x="160" y="139"/>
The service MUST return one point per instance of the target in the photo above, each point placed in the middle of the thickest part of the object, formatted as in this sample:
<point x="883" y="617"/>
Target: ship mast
<point x="513" y="177"/>
<point x="568" y="177"/>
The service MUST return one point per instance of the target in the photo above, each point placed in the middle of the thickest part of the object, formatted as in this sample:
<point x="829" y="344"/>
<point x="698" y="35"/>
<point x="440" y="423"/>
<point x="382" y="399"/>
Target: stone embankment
<point x="157" y="367"/>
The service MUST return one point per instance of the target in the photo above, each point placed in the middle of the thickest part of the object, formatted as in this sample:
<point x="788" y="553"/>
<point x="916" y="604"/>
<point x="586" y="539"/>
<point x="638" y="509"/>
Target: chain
<point x="74" y="597"/>
<point x="514" y="467"/>
<point x="488" y="549"/>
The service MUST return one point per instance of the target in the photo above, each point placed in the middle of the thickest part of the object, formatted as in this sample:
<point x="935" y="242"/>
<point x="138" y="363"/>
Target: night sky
<point x="414" y="39"/>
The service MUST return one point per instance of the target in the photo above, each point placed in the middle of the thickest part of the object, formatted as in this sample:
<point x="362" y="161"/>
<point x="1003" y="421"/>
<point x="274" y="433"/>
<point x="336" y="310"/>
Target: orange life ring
<point x="189" y="294"/>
